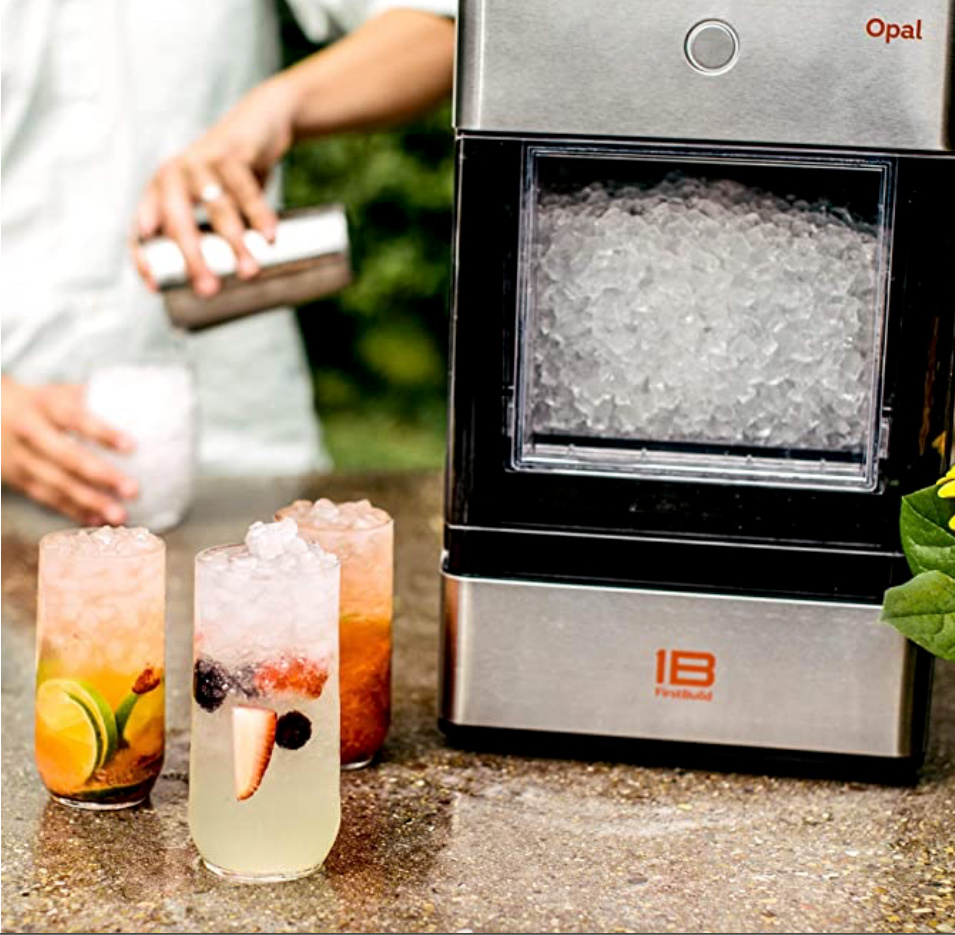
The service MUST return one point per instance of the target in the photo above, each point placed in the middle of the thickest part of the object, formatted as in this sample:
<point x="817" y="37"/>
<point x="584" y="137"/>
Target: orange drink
<point x="362" y="537"/>
<point x="99" y="681"/>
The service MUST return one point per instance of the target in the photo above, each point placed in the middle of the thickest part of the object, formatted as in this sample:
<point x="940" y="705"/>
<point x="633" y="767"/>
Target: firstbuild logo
<point x="685" y="674"/>
<point x="878" y="28"/>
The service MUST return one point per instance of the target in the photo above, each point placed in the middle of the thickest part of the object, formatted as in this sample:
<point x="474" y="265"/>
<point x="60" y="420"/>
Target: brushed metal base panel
<point x="705" y="668"/>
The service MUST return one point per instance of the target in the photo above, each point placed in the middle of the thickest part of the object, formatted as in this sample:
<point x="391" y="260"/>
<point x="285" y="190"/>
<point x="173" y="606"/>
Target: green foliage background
<point x="379" y="349"/>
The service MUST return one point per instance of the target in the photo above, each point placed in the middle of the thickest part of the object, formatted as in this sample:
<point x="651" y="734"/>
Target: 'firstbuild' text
<point x="686" y="675"/>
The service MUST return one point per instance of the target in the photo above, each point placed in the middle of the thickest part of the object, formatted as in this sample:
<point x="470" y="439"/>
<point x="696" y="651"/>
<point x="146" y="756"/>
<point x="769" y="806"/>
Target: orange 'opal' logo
<point x="878" y="28"/>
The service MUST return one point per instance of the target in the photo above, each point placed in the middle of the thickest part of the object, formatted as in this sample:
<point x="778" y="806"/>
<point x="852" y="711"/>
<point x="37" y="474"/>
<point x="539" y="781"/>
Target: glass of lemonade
<point x="100" y="703"/>
<point x="264" y="771"/>
<point x="362" y="536"/>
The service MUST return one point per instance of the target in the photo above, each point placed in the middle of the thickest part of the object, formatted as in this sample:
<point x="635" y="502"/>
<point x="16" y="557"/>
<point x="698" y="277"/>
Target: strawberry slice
<point x="253" y="737"/>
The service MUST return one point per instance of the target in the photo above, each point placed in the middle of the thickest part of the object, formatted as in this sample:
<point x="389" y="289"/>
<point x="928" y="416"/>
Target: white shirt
<point x="96" y="94"/>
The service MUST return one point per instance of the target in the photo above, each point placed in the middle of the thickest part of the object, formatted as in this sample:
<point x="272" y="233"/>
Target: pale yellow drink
<point x="264" y="801"/>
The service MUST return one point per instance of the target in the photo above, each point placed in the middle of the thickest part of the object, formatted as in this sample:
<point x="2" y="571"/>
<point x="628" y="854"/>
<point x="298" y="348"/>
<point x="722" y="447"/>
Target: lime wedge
<point x="71" y="740"/>
<point x="90" y="696"/>
<point x="138" y="715"/>
<point x="123" y="712"/>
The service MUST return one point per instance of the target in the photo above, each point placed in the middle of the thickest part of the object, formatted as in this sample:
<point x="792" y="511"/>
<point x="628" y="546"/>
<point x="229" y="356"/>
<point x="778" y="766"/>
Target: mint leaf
<point x="928" y="543"/>
<point x="923" y="609"/>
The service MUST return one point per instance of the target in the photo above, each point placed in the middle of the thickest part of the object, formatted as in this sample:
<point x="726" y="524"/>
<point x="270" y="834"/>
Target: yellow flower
<point x="947" y="489"/>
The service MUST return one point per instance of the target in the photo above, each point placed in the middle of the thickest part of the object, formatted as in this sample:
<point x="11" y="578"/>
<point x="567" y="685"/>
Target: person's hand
<point x="224" y="171"/>
<point x="42" y="458"/>
<point x="397" y="65"/>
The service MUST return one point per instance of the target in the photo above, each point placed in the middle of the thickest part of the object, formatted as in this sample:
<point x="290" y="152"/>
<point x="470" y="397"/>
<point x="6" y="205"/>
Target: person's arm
<point x="395" y="66"/>
<point x="42" y="457"/>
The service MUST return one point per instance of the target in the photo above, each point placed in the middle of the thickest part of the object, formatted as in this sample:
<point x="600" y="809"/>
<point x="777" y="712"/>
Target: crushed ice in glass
<point x="278" y="546"/>
<point x="273" y="594"/>
<point x="270" y="540"/>
<point x="155" y="405"/>
<point x="702" y="311"/>
<point x="104" y="540"/>
<point x="326" y="514"/>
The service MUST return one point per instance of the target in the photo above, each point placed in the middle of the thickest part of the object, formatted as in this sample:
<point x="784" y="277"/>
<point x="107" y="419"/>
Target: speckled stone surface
<point x="438" y="839"/>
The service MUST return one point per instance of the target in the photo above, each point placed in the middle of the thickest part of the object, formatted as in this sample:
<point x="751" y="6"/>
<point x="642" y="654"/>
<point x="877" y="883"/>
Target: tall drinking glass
<point x="99" y="675"/>
<point x="362" y="536"/>
<point x="264" y="772"/>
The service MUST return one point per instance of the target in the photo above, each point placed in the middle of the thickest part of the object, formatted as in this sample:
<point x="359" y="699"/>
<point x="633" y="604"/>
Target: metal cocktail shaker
<point x="307" y="260"/>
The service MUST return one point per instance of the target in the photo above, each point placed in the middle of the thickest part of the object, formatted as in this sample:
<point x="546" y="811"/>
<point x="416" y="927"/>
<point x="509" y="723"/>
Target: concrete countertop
<point x="439" y="839"/>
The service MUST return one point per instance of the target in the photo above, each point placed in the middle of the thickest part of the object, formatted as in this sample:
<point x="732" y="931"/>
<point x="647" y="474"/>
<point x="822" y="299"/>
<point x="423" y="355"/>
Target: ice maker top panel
<point x="809" y="72"/>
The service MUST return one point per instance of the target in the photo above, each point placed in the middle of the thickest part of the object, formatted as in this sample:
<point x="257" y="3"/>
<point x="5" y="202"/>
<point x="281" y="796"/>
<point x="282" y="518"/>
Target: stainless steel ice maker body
<point x="702" y="344"/>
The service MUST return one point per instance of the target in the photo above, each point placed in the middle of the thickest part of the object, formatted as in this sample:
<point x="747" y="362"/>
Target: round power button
<point x="712" y="47"/>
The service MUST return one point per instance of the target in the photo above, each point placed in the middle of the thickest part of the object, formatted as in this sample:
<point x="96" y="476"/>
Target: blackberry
<point x="293" y="730"/>
<point x="243" y="680"/>
<point x="210" y="683"/>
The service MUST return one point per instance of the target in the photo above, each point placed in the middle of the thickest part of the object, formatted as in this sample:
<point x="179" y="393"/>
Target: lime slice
<point x="123" y="712"/>
<point x="87" y="694"/>
<point x="70" y="738"/>
<point x="98" y="710"/>
<point x="138" y="716"/>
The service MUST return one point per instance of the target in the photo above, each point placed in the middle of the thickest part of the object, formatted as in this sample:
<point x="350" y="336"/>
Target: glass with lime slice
<point x="99" y="695"/>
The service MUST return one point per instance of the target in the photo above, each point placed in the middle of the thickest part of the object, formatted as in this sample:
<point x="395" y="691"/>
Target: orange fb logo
<point x="685" y="669"/>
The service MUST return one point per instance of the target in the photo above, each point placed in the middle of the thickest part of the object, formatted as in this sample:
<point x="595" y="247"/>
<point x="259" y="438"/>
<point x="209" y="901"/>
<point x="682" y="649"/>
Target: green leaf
<point x="928" y="543"/>
<point x="923" y="609"/>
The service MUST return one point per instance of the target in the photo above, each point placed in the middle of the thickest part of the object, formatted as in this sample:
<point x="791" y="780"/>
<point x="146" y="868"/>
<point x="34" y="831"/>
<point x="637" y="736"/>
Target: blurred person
<point x="99" y="97"/>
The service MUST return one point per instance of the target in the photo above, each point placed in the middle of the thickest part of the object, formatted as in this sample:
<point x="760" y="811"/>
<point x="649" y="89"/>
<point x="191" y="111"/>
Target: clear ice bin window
<point x="717" y="317"/>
